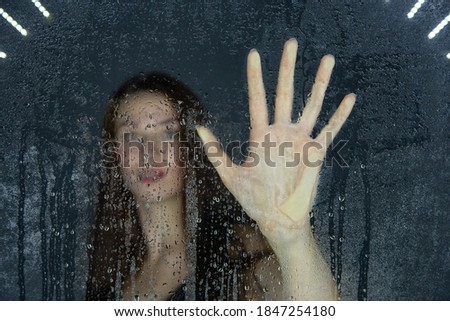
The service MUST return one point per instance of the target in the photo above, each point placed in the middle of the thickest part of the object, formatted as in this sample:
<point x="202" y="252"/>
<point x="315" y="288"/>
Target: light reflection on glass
<point x="448" y="55"/>
<point x="2" y="54"/>
<point x="13" y="22"/>
<point x="414" y="9"/>
<point x="41" y="8"/>
<point x="439" y="27"/>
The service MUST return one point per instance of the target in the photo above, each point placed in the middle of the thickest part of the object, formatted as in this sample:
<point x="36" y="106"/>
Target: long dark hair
<point x="117" y="239"/>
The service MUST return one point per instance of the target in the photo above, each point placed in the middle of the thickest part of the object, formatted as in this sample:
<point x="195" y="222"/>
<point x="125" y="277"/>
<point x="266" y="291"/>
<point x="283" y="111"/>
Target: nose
<point x="157" y="154"/>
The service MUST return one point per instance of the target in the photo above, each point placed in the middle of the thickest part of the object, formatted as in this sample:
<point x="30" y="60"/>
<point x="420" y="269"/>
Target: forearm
<point x="305" y="274"/>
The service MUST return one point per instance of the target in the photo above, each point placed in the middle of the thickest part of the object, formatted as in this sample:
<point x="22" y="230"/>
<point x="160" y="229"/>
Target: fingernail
<point x="329" y="60"/>
<point x="293" y="41"/>
<point x="200" y="131"/>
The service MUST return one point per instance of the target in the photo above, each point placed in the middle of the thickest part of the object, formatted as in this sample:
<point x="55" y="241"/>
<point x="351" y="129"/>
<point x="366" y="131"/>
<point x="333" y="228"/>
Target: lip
<point x="151" y="175"/>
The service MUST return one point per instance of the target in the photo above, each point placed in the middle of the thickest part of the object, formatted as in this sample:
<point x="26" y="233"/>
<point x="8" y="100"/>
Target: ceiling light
<point x="414" y="9"/>
<point x="13" y="22"/>
<point x="439" y="27"/>
<point x="41" y="8"/>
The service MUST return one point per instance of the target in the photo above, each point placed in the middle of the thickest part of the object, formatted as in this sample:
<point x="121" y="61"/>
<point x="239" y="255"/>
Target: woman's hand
<point x="277" y="183"/>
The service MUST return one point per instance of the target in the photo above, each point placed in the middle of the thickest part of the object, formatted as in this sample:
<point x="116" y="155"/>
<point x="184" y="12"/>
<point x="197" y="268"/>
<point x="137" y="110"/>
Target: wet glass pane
<point x="77" y="225"/>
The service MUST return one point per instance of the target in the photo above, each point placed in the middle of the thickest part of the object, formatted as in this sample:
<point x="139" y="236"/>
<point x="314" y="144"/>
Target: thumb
<point x="300" y="202"/>
<point x="217" y="156"/>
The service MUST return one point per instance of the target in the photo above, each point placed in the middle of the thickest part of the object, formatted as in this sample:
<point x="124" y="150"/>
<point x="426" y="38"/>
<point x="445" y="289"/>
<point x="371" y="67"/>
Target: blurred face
<point x="147" y="128"/>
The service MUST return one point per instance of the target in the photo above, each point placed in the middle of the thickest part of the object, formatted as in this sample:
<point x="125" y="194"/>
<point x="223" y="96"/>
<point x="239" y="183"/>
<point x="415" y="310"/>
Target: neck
<point x="165" y="265"/>
<point x="163" y="225"/>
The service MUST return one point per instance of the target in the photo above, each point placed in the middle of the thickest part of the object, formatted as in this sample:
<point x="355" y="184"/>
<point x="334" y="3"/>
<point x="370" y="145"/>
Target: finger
<point x="285" y="87"/>
<point x="314" y="104"/>
<point x="336" y="121"/>
<point x="217" y="156"/>
<point x="256" y="93"/>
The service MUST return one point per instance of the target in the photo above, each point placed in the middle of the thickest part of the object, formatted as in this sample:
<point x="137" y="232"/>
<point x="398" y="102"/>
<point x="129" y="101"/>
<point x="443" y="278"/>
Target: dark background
<point x="383" y="222"/>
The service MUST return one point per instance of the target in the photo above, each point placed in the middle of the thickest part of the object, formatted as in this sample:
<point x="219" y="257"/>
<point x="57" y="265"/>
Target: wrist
<point x="305" y="274"/>
<point x="289" y="248"/>
<point x="287" y="236"/>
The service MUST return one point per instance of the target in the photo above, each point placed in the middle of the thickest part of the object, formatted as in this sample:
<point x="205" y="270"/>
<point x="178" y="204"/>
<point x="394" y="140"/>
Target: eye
<point x="170" y="133"/>
<point x="134" y="136"/>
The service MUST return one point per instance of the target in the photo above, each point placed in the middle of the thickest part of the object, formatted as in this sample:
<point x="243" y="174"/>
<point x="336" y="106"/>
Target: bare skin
<point x="151" y="117"/>
<point x="277" y="196"/>
<point x="165" y="265"/>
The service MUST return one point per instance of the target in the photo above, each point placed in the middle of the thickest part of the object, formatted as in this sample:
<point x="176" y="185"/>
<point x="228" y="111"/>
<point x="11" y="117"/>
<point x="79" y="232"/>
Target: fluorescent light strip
<point x="414" y="9"/>
<point x="13" y="22"/>
<point x="41" y="8"/>
<point x="2" y="54"/>
<point x="439" y="27"/>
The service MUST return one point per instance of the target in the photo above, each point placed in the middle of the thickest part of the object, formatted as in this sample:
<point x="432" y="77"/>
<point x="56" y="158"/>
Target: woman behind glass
<point x="144" y="250"/>
<point x="140" y="242"/>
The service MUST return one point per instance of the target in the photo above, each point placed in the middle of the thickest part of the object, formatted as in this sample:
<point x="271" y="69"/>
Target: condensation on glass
<point x="380" y="221"/>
